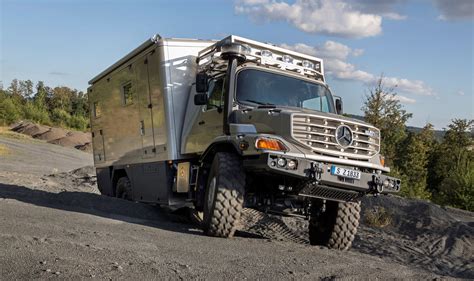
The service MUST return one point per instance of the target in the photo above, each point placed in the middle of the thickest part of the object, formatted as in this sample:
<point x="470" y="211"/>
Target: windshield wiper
<point x="259" y="102"/>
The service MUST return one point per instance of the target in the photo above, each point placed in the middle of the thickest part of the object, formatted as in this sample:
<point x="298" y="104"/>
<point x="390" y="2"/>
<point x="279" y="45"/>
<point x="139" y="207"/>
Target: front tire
<point x="224" y="195"/>
<point x="336" y="227"/>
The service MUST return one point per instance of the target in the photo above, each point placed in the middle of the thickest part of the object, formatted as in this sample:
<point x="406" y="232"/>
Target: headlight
<point x="281" y="162"/>
<point x="292" y="164"/>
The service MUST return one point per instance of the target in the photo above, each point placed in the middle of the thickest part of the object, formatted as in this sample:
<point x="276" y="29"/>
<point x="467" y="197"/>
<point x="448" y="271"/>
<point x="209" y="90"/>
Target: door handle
<point x="202" y="122"/>
<point x="142" y="128"/>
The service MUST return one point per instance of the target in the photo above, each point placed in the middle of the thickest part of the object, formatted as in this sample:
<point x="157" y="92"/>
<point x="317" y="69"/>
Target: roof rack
<point x="262" y="54"/>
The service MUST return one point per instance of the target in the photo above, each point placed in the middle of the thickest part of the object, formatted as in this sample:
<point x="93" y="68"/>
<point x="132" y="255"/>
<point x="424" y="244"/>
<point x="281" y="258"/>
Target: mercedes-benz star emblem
<point x="344" y="136"/>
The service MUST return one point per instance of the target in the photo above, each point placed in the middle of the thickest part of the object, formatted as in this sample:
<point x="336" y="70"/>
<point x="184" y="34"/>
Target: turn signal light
<point x="382" y="160"/>
<point x="270" y="144"/>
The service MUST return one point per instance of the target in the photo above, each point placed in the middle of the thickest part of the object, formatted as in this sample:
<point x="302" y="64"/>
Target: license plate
<point x="346" y="173"/>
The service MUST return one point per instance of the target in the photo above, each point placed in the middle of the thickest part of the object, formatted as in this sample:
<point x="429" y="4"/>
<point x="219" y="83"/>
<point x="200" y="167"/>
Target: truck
<point x="222" y="125"/>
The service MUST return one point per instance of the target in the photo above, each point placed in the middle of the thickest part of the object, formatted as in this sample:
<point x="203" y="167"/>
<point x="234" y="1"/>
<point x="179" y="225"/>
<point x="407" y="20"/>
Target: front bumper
<point x="320" y="174"/>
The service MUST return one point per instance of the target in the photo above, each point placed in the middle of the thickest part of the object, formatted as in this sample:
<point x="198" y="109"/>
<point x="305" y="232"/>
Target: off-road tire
<point x="336" y="227"/>
<point x="124" y="188"/>
<point x="224" y="195"/>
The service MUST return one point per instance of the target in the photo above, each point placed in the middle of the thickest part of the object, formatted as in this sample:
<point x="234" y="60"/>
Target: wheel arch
<point x="220" y="146"/>
<point x="118" y="173"/>
<point x="206" y="161"/>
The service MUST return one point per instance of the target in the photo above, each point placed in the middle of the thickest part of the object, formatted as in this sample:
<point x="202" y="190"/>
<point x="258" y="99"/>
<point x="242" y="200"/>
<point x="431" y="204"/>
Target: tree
<point x="41" y="95"/>
<point x="8" y="112"/>
<point x="450" y="173"/>
<point x="412" y="162"/>
<point x="383" y="110"/>
<point x="26" y="89"/>
<point x="14" y="90"/>
<point x="61" y="99"/>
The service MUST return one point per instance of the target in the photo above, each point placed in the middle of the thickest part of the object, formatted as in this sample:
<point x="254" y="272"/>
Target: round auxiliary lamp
<point x="234" y="50"/>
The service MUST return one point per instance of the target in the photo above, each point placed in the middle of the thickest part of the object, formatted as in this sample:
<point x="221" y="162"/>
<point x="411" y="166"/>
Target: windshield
<point x="267" y="88"/>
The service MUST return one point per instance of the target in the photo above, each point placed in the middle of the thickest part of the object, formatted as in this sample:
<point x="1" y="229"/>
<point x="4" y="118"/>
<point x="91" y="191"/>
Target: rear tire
<point x="124" y="189"/>
<point x="224" y="195"/>
<point x="336" y="227"/>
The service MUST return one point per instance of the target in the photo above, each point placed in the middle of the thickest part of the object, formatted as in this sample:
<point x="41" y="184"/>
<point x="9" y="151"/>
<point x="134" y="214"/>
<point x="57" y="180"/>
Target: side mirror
<point x="200" y="99"/>
<point x="339" y="108"/>
<point x="201" y="82"/>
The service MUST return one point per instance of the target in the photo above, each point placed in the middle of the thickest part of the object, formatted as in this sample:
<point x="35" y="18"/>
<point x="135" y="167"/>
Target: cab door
<point x="209" y="123"/>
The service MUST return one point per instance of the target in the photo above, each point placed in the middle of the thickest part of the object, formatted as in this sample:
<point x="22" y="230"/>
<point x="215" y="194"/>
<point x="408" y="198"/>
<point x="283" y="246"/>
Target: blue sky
<point x="425" y="48"/>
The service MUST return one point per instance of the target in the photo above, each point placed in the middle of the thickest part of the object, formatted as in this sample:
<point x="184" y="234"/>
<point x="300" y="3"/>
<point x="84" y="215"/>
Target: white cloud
<point x="335" y="61"/>
<point x="385" y="8"/>
<point x="461" y="93"/>
<point x="402" y="99"/>
<point x="455" y="9"/>
<point x="394" y="16"/>
<point x="329" y="50"/>
<point x="357" y="52"/>
<point x="329" y="17"/>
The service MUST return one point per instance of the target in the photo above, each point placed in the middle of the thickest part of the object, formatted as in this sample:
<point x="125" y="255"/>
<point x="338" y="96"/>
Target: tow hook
<point x="315" y="171"/>
<point x="377" y="185"/>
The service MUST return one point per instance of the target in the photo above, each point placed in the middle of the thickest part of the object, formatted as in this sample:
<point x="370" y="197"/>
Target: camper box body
<point x="137" y="113"/>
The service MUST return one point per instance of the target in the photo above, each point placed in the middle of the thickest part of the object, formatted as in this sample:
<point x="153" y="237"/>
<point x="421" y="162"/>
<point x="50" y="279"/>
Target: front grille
<point x="319" y="134"/>
<point x="326" y="192"/>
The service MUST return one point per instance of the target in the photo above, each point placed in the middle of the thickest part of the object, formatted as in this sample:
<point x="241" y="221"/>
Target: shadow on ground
<point x="107" y="207"/>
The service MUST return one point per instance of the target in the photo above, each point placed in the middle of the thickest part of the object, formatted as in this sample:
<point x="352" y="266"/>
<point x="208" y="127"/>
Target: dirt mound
<point x="81" y="179"/>
<point x="420" y="233"/>
<point x="87" y="147"/>
<point x="30" y="129"/>
<point x="63" y="137"/>
<point x="439" y="239"/>
<point x="52" y="134"/>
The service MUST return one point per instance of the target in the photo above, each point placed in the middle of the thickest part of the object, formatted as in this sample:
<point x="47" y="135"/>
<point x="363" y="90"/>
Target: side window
<point x="97" y="109"/>
<point x="215" y="93"/>
<point x="127" y="94"/>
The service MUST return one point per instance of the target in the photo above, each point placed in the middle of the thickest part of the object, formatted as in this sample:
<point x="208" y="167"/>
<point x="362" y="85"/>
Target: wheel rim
<point x="211" y="193"/>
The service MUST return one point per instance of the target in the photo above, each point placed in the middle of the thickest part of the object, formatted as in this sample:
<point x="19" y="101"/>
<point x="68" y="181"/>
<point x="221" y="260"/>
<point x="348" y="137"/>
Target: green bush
<point x="60" y="117"/>
<point x="33" y="113"/>
<point x="78" y="122"/>
<point x="457" y="189"/>
<point x="8" y="112"/>
<point x="378" y="217"/>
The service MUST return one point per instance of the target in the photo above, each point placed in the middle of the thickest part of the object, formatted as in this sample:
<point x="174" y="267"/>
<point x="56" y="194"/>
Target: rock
<point x="47" y="270"/>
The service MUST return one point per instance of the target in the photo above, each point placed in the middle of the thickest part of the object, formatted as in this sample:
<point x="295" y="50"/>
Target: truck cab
<point x="253" y="126"/>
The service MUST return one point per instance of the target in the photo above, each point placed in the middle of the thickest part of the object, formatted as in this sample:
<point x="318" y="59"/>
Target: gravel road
<point x="53" y="224"/>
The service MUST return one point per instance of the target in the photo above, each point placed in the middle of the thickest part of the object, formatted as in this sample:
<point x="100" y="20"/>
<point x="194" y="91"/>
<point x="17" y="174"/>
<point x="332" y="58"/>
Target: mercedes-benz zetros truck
<point x="231" y="124"/>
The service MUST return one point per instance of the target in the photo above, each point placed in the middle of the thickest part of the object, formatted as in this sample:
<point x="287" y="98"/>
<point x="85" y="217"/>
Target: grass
<point x="378" y="217"/>
<point x="4" y="150"/>
<point x="6" y="132"/>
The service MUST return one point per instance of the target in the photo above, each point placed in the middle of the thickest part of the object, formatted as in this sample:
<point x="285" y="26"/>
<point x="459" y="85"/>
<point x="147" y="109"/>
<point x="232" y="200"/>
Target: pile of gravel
<point x="63" y="137"/>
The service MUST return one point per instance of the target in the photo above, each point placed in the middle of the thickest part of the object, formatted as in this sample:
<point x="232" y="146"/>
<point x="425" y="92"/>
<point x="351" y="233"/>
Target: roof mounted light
<point x="239" y="51"/>
<point x="307" y="64"/>
<point x="287" y="59"/>
<point x="266" y="53"/>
